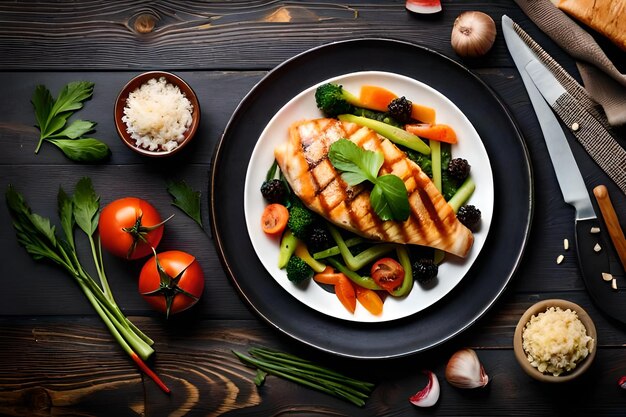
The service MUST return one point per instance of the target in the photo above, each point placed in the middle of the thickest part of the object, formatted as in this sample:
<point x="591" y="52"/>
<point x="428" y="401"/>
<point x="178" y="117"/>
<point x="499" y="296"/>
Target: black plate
<point x="487" y="278"/>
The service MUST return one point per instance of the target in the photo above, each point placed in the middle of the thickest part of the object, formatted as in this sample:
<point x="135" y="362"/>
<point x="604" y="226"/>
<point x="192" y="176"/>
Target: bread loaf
<point x="607" y="17"/>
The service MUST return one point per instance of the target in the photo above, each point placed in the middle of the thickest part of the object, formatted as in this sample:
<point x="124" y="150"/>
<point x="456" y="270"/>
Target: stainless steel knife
<point x="578" y="111"/>
<point x="590" y="245"/>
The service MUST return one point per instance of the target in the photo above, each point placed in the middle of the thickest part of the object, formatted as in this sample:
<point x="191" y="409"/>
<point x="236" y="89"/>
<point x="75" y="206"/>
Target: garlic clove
<point x="428" y="396"/>
<point x="464" y="370"/>
<point x="473" y="34"/>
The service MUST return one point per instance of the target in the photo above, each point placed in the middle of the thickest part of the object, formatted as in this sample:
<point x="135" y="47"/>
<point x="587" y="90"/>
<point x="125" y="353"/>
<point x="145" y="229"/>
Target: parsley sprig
<point x="389" y="197"/>
<point x="52" y="116"/>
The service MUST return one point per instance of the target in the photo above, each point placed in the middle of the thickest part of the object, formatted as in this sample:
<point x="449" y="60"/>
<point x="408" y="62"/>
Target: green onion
<point x="306" y="373"/>
<point x="38" y="236"/>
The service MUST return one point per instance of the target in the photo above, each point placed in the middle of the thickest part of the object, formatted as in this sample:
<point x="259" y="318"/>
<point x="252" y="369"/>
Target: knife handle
<point x="612" y="223"/>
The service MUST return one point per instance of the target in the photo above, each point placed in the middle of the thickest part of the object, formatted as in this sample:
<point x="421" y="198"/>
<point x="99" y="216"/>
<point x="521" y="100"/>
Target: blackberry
<point x="274" y="191"/>
<point x="469" y="215"/>
<point x="425" y="270"/>
<point x="459" y="168"/>
<point x="318" y="239"/>
<point x="400" y="109"/>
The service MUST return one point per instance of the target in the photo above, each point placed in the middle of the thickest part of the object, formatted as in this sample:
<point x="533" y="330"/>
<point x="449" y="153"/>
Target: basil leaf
<point x="82" y="150"/>
<point x="186" y="199"/>
<point x="389" y="198"/>
<point x="76" y="129"/>
<point x="357" y="164"/>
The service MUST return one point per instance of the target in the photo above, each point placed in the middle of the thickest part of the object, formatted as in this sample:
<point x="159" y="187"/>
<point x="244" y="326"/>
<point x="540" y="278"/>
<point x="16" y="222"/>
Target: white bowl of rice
<point x="555" y="341"/>
<point x="157" y="114"/>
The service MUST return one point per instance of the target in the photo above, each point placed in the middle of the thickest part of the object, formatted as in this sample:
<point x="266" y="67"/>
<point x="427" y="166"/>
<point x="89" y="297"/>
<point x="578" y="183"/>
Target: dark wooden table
<point x="57" y="358"/>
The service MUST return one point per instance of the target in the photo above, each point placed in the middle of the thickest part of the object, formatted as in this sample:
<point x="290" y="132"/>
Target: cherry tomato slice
<point x="387" y="273"/>
<point x="274" y="219"/>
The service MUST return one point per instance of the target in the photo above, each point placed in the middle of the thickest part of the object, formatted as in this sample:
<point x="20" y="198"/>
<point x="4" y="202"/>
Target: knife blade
<point x="568" y="175"/>
<point x="592" y="252"/>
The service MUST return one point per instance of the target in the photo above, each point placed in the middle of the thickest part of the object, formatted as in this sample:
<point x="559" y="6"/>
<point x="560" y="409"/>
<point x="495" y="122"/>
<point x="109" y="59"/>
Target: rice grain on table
<point x="157" y="114"/>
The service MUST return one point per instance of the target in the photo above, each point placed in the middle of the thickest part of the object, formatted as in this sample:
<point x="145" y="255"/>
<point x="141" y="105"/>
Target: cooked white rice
<point x="157" y="114"/>
<point x="555" y="341"/>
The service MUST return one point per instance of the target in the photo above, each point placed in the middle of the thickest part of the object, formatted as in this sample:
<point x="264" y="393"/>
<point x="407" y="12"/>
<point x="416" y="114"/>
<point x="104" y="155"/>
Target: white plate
<point x="303" y="106"/>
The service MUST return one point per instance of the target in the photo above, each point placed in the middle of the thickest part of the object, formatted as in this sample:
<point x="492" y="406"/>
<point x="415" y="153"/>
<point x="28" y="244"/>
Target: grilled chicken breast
<point x="304" y="161"/>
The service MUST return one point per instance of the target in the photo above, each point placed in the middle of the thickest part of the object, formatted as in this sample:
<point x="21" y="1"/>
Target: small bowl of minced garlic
<point x="555" y="341"/>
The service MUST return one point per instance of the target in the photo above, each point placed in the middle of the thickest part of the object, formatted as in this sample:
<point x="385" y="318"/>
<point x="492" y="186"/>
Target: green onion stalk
<point x="38" y="236"/>
<point x="306" y="373"/>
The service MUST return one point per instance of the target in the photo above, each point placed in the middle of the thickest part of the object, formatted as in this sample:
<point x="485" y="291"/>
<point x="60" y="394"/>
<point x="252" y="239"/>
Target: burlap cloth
<point x="601" y="78"/>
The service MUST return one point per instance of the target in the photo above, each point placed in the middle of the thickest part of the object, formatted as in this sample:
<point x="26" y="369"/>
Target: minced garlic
<point x="555" y="341"/>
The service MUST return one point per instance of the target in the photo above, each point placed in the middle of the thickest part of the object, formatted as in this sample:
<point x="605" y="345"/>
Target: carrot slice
<point x="438" y="132"/>
<point x="423" y="113"/>
<point x="370" y="300"/>
<point x="346" y="293"/>
<point x="274" y="219"/>
<point x="376" y="98"/>
<point x="328" y="276"/>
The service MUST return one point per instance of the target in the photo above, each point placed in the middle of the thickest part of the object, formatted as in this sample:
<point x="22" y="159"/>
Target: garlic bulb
<point x="622" y="382"/>
<point x="473" y="34"/>
<point x="428" y="396"/>
<point x="464" y="370"/>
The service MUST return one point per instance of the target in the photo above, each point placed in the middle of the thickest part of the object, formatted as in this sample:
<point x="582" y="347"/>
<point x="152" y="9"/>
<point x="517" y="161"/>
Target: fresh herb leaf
<point x="389" y="197"/>
<point x="82" y="150"/>
<point x="42" y="102"/>
<point x="357" y="164"/>
<point x="76" y="129"/>
<point x="186" y="199"/>
<point x="86" y="204"/>
<point x="71" y="97"/>
<point x="66" y="215"/>
<point x="52" y="116"/>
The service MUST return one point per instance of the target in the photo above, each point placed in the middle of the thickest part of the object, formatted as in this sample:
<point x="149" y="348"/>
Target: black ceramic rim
<point x="487" y="278"/>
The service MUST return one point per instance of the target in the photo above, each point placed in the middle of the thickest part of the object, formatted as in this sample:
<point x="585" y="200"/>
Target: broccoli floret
<point x="333" y="100"/>
<point x="300" y="221"/>
<point x="297" y="270"/>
